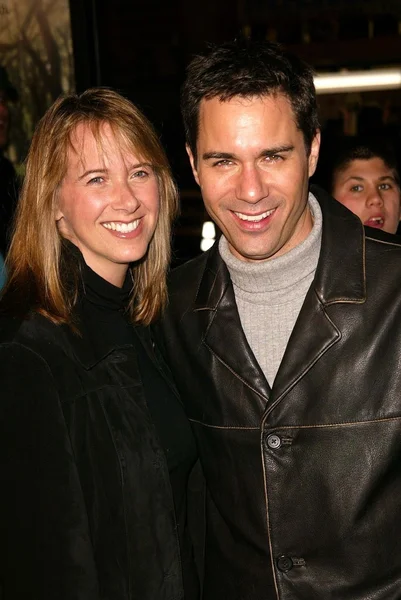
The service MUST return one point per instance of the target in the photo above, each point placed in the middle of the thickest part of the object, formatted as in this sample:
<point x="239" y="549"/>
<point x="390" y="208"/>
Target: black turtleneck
<point x="102" y="311"/>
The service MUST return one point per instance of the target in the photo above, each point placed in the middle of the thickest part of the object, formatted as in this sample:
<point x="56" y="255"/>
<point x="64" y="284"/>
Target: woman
<point x="90" y="427"/>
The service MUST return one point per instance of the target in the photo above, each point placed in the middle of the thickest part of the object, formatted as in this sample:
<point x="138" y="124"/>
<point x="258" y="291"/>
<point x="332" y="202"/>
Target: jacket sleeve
<point x="45" y="547"/>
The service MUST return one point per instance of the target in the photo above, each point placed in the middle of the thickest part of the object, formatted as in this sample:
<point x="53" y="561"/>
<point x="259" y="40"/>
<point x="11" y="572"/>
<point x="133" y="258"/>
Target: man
<point x="284" y="343"/>
<point x="364" y="177"/>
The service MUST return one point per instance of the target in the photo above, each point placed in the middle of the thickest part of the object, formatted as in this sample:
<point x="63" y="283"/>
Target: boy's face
<point x="370" y="190"/>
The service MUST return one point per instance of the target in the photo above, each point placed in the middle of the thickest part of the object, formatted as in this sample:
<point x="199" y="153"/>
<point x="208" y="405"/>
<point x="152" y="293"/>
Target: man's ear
<point x="193" y="163"/>
<point x="314" y="153"/>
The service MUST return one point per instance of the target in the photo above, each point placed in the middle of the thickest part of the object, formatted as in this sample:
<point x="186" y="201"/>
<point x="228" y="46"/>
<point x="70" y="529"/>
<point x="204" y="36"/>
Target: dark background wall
<point x="142" y="48"/>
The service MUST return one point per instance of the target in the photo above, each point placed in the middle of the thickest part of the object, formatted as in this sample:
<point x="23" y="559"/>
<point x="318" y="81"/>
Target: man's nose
<point x="251" y="185"/>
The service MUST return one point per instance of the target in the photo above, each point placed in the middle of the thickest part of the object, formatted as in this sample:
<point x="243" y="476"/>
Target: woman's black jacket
<point x="86" y="509"/>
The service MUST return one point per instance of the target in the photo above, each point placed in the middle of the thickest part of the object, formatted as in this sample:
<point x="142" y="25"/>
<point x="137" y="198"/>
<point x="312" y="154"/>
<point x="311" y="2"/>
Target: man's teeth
<point x="254" y="218"/>
<point x="122" y="227"/>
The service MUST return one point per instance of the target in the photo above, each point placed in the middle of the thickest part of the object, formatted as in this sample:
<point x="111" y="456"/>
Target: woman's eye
<point x="96" y="180"/>
<point x="140" y="174"/>
<point x="385" y="186"/>
<point x="356" y="188"/>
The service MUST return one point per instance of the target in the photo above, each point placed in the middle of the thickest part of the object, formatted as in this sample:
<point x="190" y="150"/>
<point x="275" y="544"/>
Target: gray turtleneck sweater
<point x="270" y="293"/>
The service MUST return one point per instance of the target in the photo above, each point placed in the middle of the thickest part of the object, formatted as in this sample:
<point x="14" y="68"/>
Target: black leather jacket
<point x="86" y="508"/>
<point x="304" y="480"/>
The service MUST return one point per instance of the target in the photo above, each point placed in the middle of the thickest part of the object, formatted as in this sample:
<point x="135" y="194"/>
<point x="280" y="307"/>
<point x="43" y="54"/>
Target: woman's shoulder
<point x="37" y="350"/>
<point x="34" y="333"/>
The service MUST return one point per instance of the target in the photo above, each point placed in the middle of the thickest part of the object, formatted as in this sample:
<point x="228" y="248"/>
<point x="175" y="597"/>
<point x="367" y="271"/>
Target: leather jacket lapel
<point x="339" y="279"/>
<point x="313" y="334"/>
<point x="222" y="331"/>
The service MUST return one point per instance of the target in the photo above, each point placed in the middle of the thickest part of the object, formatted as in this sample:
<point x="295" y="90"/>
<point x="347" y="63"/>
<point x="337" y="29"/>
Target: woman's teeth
<point x="122" y="227"/>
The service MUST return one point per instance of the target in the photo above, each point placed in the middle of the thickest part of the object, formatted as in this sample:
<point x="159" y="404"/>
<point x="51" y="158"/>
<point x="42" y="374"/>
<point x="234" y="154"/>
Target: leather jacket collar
<point x="340" y="274"/>
<point x="339" y="278"/>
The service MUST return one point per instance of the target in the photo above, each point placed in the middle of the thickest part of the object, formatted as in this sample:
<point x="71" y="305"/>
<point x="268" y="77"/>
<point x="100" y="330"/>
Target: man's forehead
<point x="270" y="110"/>
<point x="242" y="100"/>
<point x="267" y="121"/>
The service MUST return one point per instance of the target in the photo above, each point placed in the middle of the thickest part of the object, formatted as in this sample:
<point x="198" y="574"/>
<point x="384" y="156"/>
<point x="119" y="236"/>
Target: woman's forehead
<point x="101" y="141"/>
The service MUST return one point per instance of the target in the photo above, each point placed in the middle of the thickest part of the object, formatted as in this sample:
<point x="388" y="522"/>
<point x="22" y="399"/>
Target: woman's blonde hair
<point x="37" y="261"/>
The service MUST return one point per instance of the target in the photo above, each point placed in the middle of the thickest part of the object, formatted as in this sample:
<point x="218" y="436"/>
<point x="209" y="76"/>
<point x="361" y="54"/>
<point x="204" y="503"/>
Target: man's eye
<point x="273" y="158"/>
<point x="222" y="163"/>
<point x="356" y="188"/>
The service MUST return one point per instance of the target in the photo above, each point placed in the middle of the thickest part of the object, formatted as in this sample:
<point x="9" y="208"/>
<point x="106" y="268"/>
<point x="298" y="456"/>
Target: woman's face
<point x="108" y="203"/>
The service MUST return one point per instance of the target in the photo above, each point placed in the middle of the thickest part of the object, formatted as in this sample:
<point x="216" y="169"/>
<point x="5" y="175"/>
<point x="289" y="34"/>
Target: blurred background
<point x="142" y="48"/>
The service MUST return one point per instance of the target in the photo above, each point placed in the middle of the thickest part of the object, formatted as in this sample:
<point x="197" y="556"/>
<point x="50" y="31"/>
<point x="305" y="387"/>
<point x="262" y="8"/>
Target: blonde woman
<point x="95" y="448"/>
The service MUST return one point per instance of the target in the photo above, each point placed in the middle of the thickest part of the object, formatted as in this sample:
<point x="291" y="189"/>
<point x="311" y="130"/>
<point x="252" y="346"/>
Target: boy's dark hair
<point x="349" y="149"/>
<point x="249" y="68"/>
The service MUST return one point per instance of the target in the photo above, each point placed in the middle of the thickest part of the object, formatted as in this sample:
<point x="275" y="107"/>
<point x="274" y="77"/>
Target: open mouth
<point x="122" y="227"/>
<point x="375" y="222"/>
<point x="254" y="218"/>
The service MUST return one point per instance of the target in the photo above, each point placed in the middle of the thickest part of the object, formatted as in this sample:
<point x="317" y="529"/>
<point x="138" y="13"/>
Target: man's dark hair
<point x="249" y="68"/>
<point x="360" y="148"/>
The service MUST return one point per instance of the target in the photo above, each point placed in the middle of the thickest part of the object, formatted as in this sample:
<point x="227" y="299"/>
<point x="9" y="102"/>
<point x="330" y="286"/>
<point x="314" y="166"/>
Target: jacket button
<point x="273" y="441"/>
<point x="284" y="563"/>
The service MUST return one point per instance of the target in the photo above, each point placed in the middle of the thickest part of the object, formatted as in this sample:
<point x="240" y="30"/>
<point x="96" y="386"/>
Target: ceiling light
<point x="358" y="81"/>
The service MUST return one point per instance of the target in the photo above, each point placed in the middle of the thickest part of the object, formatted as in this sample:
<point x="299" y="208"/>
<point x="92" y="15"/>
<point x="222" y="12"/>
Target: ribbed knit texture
<point x="270" y="293"/>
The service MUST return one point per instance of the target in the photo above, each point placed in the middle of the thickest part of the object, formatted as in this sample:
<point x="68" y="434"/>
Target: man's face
<point x="369" y="189"/>
<point x="253" y="172"/>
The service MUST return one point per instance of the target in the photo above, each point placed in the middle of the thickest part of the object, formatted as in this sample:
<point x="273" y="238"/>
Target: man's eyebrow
<point x="222" y="155"/>
<point x="277" y="150"/>
<point x="229" y="156"/>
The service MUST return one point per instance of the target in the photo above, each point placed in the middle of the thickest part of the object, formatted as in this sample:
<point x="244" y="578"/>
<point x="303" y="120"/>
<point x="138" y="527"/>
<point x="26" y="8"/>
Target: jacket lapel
<point x="339" y="279"/>
<point x="222" y="331"/>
